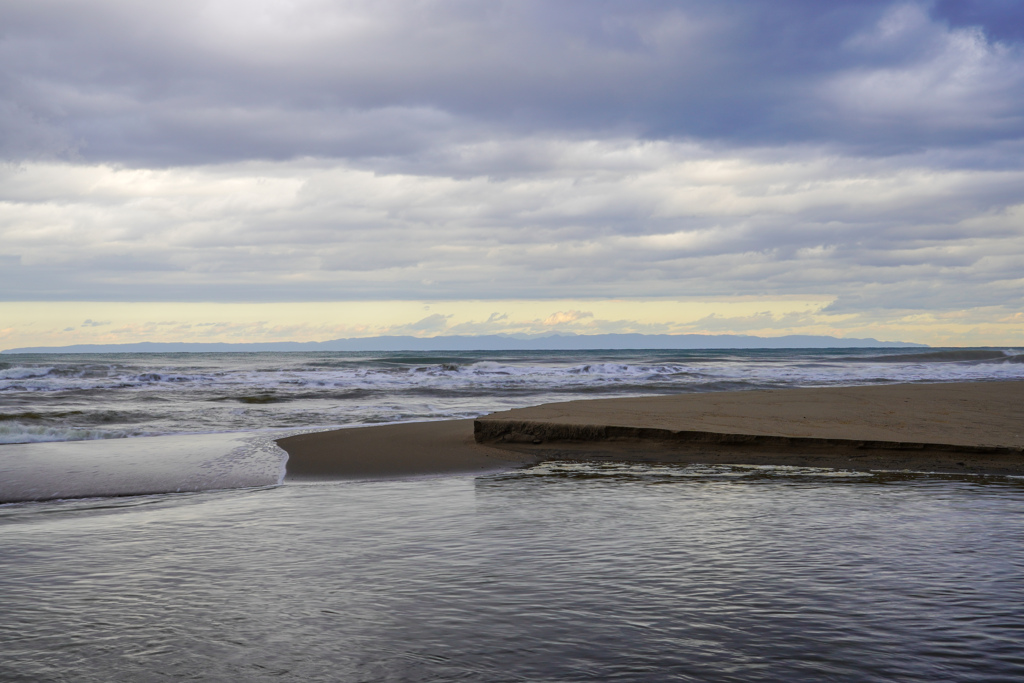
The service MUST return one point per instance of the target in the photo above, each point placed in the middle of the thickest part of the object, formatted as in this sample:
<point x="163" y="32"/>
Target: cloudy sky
<point x="258" y="170"/>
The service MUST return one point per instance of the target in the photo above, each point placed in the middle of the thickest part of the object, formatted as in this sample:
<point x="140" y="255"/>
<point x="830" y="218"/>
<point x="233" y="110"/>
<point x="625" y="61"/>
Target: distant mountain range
<point x="556" y="342"/>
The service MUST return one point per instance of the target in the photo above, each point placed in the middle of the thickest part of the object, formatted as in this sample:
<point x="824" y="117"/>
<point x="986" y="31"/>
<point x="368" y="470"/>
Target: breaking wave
<point x="147" y="465"/>
<point x="18" y="432"/>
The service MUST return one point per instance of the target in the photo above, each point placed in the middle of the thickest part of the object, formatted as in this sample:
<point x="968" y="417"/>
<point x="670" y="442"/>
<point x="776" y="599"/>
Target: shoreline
<point x="393" y="451"/>
<point x="967" y="428"/>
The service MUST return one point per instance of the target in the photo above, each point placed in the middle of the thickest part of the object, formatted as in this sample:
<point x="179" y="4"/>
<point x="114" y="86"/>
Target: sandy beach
<point x="975" y="427"/>
<point x="416" y="448"/>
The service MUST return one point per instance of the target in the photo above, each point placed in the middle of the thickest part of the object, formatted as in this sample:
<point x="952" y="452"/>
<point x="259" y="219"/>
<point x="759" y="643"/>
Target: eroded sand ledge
<point x="974" y="427"/>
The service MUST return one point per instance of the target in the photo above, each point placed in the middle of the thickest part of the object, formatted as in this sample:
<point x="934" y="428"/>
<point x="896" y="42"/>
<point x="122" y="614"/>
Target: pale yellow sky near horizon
<point x="24" y="324"/>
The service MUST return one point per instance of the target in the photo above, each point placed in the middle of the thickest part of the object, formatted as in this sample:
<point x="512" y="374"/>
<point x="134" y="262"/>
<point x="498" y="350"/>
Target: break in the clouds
<point x="867" y="151"/>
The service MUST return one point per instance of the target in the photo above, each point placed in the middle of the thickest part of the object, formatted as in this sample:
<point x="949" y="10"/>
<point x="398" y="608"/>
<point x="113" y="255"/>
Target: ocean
<point x="188" y="558"/>
<point x="71" y="397"/>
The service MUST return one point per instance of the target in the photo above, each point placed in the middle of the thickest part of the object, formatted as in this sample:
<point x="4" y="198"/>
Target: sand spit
<point x="975" y="427"/>
<point x="400" y="450"/>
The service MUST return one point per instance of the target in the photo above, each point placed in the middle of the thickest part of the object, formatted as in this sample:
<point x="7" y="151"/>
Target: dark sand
<point x="975" y="427"/>
<point x="400" y="450"/>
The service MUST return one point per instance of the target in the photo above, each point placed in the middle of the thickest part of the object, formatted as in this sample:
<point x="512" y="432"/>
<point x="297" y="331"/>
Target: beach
<point x="587" y="515"/>
<point x="965" y="427"/>
<point x="399" y="450"/>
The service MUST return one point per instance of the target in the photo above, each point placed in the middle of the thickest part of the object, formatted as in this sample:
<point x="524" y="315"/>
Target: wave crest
<point x="950" y="356"/>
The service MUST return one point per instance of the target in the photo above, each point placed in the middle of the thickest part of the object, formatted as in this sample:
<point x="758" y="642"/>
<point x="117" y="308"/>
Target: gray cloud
<point x="206" y="82"/>
<point x="674" y="221"/>
<point x="866" y="150"/>
<point x="1001" y="19"/>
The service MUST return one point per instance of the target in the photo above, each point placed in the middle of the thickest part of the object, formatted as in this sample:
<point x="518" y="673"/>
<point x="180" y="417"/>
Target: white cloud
<point x="675" y="220"/>
<point x="211" y="150"/>
<point x="929" y="77"/>
<point x="559" y="318"/>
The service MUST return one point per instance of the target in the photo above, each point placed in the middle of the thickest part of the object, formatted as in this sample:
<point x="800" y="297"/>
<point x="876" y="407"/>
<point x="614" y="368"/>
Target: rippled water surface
<point x="564" y="572"/>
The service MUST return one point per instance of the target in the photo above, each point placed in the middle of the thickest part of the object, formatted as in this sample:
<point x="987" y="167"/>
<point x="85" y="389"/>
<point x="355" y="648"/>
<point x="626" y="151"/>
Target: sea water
<point x="567" y="571"/>
<point x="145" y="404"/>
<point x="66" y="397"/>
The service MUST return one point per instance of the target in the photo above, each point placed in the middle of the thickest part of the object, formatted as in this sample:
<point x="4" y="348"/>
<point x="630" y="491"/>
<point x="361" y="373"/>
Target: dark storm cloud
<point x="200" y="82"/>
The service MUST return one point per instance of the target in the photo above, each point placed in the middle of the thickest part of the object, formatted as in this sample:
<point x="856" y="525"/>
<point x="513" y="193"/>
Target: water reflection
<point x="565" y="571"/>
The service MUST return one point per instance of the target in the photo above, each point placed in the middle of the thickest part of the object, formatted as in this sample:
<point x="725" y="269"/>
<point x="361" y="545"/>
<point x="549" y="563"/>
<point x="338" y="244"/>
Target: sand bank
<point x="956" y="427"/>
<point x="394" y="451"/>
<point x="973" y="427"/>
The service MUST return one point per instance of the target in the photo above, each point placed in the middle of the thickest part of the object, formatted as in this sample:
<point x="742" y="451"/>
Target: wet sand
<point x="400" y="450"/>
<point x="975" y="427"/>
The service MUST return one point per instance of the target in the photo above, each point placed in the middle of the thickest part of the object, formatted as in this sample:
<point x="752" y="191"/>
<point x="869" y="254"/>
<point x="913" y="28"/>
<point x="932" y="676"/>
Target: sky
<point x="312" y="169"/>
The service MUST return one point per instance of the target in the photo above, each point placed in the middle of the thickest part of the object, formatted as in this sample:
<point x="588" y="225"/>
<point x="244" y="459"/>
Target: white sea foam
<point x="679" y="471"/>
<point x="551" y="373"/>
<point x="162" y="464"/>
<point x="16" y="432"/>
<point x="19" y="373"/>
